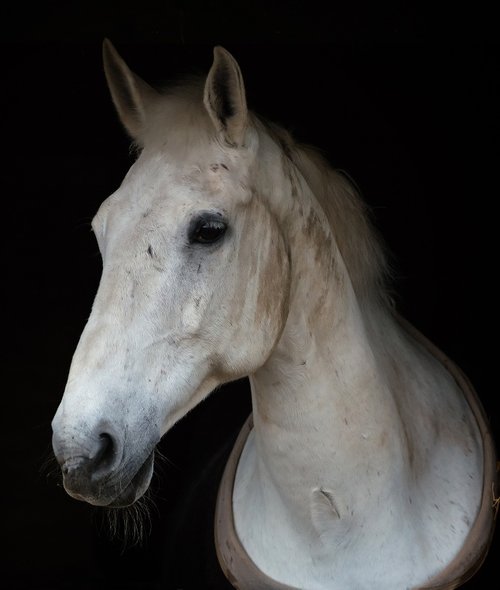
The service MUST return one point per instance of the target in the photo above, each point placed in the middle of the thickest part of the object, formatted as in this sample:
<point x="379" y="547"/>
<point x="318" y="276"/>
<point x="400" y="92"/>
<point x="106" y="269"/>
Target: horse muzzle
<point x="96" y="468"/>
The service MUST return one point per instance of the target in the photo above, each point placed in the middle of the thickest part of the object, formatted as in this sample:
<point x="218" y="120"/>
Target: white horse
<point x="231" y="251"/>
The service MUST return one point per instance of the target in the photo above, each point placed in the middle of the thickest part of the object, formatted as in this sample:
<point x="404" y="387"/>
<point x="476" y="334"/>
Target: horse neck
<point x="321" y="391"/>
<point x="351" y="444"/>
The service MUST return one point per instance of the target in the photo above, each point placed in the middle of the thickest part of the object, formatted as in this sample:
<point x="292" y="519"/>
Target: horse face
<point x="193" y="294"/>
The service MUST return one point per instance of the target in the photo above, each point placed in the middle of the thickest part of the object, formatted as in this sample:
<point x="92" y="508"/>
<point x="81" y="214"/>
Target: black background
<point x="405" y="100"/>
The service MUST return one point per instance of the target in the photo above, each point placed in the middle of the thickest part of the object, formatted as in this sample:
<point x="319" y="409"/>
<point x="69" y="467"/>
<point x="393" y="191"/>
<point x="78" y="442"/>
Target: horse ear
<point x="130" y="93"/>
<point x="225" y="99"/>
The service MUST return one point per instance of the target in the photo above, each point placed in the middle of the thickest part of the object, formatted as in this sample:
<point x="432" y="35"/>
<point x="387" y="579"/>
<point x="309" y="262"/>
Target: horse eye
<point x="208" y="231"/>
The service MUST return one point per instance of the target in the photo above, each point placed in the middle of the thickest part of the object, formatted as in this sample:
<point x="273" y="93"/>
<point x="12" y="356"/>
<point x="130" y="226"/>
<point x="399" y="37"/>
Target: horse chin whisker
<point x="162" y="462"/>
<point x="130" y="525"/>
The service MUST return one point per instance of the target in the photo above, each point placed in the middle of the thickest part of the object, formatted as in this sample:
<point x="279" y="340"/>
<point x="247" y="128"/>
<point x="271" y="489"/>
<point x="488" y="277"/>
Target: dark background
<point x="404" y="100"/>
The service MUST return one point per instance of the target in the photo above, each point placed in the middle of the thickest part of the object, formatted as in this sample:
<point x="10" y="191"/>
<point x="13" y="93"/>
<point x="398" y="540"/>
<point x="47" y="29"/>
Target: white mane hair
<point x="177" y="123"/>
<point x="349" y="217"/>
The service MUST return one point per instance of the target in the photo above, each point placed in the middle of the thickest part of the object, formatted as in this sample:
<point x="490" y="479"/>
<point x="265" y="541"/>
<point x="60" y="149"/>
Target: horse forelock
<point x="177" y="121"/>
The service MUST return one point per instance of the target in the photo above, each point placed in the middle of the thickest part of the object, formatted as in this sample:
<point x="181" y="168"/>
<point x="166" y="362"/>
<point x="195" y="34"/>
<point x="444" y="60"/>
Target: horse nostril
<point x="106" y="452"/>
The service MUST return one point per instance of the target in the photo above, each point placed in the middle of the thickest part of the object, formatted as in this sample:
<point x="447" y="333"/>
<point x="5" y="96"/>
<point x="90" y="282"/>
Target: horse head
<point x="194" y="283"/>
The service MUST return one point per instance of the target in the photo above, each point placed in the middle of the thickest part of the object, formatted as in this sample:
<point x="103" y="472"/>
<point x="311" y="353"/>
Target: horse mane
<point x="177" y="119"/>
<point x="350" y="219"/>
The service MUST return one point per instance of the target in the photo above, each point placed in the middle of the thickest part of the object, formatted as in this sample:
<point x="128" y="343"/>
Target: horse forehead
<point x="164" y="179"/>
